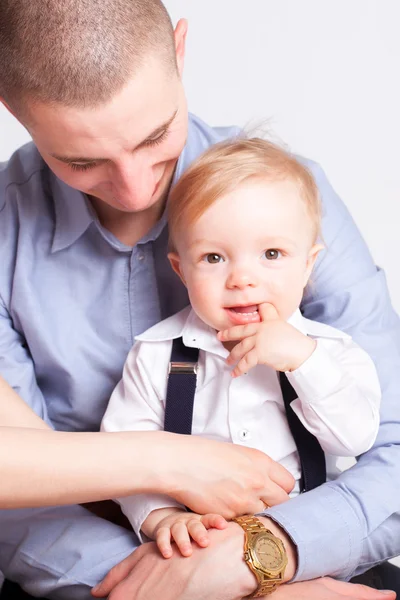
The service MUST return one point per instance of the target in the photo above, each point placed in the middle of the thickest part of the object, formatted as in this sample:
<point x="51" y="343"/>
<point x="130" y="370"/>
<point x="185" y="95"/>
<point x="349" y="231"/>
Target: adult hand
<point x="329" y="589"/>
<point x="272" y="342"/>
<point x="144" y="574"/>
<point x="217" y="571"/>
<point x="218" y="477"/>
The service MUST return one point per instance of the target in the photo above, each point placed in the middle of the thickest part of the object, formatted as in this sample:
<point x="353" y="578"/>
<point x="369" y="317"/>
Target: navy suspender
<point x="181" y="388"/>
<point x="311" y="455"/>
<point x="179" y="412"/>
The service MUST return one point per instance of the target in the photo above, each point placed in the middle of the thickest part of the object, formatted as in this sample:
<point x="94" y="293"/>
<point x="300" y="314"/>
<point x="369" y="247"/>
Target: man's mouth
<point x="240" y="315"/>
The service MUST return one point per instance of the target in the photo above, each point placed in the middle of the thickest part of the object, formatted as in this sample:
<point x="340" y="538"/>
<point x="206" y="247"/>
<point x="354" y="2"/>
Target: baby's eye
<point x="213" y="258"/>
<point x="272" y="254"/>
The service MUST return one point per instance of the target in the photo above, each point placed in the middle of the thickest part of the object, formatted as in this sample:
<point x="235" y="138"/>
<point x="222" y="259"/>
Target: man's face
<point x="254" y="245"/>
<point x="124" y="152"/>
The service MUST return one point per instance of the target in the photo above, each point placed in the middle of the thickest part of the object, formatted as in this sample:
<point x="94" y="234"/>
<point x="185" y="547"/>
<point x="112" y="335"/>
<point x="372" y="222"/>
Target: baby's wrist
<point x="303" y="350"/>
<point x="153" y="520"/>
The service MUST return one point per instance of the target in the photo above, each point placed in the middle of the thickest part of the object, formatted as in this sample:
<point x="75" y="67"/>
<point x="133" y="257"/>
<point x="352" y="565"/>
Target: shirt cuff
<point x="326" y="531"/>
<point x="137" y="509"/>
<point x="317" y="376"/>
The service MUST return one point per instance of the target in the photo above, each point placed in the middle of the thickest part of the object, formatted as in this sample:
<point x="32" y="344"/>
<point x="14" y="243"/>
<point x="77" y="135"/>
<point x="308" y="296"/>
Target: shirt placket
<point x="240" y="428"/>
<point x="144" y="306"/>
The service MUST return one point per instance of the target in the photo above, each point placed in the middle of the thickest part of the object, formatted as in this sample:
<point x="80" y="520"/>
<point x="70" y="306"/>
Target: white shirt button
<point x="141" y="257"/>
<point x="244" y="435"/>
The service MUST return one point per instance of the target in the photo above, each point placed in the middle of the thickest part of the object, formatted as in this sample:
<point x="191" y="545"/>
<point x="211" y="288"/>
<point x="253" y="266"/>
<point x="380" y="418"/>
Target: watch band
<point x="252" y="526"/>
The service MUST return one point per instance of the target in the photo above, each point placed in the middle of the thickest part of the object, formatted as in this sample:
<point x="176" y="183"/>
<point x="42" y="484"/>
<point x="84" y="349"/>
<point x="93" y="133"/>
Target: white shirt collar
<point x="196" y="334"/>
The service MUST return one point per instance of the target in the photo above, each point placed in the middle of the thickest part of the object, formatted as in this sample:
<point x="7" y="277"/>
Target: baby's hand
<point x="181" y="526"/>
<point x="272" y="342"/>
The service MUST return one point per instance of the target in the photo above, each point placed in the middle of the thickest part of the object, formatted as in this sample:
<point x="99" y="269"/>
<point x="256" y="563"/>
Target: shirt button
<point x="244" y="435"/>
<point x="141" y="257"/>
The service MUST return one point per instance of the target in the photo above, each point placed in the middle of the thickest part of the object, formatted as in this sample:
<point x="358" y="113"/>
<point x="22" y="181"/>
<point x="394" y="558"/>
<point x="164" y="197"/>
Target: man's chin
<point x="114" y="204"/>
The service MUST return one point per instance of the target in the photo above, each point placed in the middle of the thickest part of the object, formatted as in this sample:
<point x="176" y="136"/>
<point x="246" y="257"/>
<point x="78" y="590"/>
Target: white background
<point x="320" y="75"/>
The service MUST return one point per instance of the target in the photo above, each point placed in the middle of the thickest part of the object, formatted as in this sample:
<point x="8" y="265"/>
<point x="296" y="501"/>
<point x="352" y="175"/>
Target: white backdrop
<point x="321" y="75"/>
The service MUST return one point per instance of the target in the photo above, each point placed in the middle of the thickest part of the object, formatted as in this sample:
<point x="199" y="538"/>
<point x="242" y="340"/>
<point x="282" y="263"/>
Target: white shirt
<point x="337" y="387"/>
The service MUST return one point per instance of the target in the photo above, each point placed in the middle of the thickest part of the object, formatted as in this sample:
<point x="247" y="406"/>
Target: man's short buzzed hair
<point x="78" y="52"/>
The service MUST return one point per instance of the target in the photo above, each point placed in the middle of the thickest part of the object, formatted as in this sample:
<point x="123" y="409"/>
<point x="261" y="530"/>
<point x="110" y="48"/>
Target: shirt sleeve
<point x="16" y="365"/>
<point x="341" y="528"/>
<point x="338" y="397"/>
<point x="137" y="405"/>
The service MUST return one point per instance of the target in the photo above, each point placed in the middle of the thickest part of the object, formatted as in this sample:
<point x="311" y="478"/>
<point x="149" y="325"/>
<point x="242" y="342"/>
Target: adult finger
<point x="356" y="590"/>
<point x="117" y="574"/>
<point x="216" y="521"/>
<point x="268" y="312"/>
<point x="281" y="476"/>
<point x="273" y="495"/>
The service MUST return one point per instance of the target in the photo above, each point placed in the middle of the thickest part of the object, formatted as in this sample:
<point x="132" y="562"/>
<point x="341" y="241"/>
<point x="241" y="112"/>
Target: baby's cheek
<point x="287" y="295"/>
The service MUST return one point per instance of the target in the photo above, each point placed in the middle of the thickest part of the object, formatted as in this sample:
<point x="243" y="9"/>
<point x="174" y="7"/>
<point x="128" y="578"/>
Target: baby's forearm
<point x="149" y="526"/>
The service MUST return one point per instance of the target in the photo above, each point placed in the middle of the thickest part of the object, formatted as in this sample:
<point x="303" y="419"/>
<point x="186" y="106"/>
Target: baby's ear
<point x="312" y="257"/>
<point x="175" y="261"/>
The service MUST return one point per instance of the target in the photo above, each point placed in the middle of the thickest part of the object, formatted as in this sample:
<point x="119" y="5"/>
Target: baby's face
<point x="254" y="245"/>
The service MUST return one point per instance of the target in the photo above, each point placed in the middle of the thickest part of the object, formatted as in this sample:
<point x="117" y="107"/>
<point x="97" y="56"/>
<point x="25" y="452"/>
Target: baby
<point x="244" y="224"/>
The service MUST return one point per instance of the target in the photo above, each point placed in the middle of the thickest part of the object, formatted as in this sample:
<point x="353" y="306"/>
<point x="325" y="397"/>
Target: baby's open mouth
<point x="241" y="315"/>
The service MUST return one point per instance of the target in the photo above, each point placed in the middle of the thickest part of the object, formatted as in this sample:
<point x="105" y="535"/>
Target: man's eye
<point x="82" y="166"/>
<point x="157" y="140"/>
<point x="213" y="258"/>
<point x="272" y="254"/>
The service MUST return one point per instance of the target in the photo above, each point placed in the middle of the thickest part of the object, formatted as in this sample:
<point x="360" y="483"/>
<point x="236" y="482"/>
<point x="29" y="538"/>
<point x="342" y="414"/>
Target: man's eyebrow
<point x="82" y="159"/>
<point x="159" y="129"/>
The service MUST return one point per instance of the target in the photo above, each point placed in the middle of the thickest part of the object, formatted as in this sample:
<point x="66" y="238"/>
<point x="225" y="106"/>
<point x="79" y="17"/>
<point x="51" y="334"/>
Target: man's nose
<point x="134" y="178"/>
<point x="241" y="278"/>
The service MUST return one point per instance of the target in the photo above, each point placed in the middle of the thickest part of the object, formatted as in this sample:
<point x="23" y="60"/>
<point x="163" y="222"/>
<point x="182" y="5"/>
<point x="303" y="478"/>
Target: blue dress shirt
<point x="72" y="298"/>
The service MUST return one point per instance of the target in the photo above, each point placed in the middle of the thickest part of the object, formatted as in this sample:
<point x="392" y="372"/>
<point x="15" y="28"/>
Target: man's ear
<point x="8" y="107"/>
<point x="180" y="43"/>
<point x="175" y="261"/>
<point x="312" y="257"/>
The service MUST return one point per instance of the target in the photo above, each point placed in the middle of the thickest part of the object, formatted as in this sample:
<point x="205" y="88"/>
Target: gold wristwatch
<point x="264" y="554"/>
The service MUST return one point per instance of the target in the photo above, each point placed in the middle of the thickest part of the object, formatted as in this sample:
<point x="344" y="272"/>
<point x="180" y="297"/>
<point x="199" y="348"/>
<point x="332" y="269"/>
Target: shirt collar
<point x="196" y="334"/>
<point x="73" y="213"/>
<point x="315" y="328"/>
<point x="187" y="325"/>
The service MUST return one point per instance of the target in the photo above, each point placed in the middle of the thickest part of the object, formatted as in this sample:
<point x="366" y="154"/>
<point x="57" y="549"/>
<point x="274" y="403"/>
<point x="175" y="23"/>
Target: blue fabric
<point x="72" y="298"/>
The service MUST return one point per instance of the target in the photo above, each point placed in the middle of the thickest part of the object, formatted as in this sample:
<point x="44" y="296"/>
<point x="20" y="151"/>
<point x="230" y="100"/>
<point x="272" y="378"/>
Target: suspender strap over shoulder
<point x="181" y="388"/>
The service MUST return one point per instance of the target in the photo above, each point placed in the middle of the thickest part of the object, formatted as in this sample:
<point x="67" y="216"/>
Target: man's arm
<point x="333" y="526"/>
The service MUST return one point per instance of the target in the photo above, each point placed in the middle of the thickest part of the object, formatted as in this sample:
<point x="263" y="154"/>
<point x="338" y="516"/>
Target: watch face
<point x="268" y="553"/>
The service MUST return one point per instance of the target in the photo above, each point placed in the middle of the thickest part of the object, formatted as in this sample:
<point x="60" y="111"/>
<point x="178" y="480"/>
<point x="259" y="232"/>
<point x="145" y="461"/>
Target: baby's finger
<point x="163" y="541"/>
<point x="215" y="521"/>
<point x="198" y="532"/>
<point x="242" y="348"/>
<point x="268" y="312"/>
<point x="238" y="332"/>
<point x="244" y="365"/>
<point x="180" y="534"/>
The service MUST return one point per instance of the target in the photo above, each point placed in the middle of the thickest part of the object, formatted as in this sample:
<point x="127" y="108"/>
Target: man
<point x="83" y="248"/>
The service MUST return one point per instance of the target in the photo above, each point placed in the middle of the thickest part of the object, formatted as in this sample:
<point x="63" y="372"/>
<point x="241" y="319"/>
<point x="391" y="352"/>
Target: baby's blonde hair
<point x="225" y="166"/>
